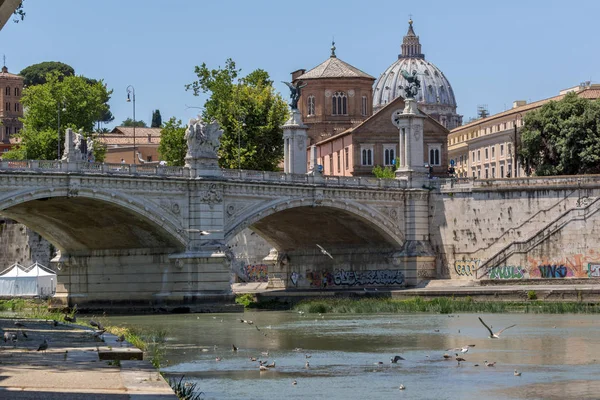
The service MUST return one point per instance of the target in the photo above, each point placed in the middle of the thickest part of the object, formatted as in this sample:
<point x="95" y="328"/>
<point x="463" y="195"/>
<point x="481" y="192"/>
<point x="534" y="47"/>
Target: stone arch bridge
<point x="134" y="234"/>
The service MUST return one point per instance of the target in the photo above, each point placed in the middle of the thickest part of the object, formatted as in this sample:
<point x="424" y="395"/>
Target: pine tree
<point x="156" y="119"/>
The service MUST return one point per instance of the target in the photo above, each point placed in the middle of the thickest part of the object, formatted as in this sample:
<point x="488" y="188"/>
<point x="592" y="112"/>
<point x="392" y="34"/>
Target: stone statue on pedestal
<point x="202" y="142"/>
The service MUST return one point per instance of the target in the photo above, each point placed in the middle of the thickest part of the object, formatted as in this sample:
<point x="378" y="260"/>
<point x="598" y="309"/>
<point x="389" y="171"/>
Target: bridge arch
<point x="78" y="219"/>
<point x="290" y="224"/>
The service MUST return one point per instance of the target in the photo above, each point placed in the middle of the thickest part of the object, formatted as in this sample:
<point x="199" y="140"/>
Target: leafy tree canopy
<point x="384" y="172"/>
<point x="78" y="103"/>
<point x="36" y="74"/>
<point x="562" y="137"/>
<point x="156" y="119"/>
<point x="138" y="124"/>
<point x="172" y="147"/>
<point x="250" y="113"/>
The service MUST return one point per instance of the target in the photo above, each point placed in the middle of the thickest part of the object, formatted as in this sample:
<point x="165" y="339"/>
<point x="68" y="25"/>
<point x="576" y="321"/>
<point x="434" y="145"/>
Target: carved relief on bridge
<point x="211" y="194"/>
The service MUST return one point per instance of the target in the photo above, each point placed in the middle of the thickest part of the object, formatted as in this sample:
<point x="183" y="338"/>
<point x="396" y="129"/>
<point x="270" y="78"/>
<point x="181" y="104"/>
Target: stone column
<point x="295" y="139"/>
<point x="410" y="124"/>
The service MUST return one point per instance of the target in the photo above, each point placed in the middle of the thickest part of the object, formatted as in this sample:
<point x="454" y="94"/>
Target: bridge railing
<point x="528" y="181"/>
<point x="163" y="170"/>
<point x="102" y="168"/>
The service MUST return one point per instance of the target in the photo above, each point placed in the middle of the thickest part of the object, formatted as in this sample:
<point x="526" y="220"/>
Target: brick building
<point x="119" y="145"/>
<point x="11" y="88"/>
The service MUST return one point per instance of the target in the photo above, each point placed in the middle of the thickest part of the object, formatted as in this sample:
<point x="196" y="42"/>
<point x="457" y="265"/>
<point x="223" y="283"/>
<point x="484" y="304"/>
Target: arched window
<point x="311" y="105"/>
<point x="16" y="91"/>
<point x="7" y="91"/>
<point x="366" y="155"/>
<point x="434" y="154"/>
<point x="389" y="154"/>
<point x="339" y="103"/>
<point x="16" y="106"/>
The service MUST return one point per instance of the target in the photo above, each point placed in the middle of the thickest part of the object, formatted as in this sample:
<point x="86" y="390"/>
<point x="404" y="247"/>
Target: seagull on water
<point x="263" y="368"/>
<point x="401" y="387"/>
<point x="395" y="359"/>
<point x="307" y="365"/>
<point x="517" y="373"/>
<point x="497" y="334"/>
<point x="324" y="251"/>
<point x="233" y="348"/>
<point x="463" y="349"/>
<point x="294" y="382"/>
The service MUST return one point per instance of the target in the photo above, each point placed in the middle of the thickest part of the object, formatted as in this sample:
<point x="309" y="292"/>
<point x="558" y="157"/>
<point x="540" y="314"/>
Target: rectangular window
<point x="473" y="157"/>
<point x="493" y="152"/>
<point x="347" y="157"/>
<point x="149" y="158"/>
<point x="486" y="153"/>
<point x="16" y="91"/>
<point x="501" y="171"/>
<point x="509" y="148"/>
<point x="331" y="164"/>
<point x="508" y="170"/>
<point x="478" y="155"/>
<point x="7" y="131"/>
<point x="478" y="173"/>
<point x="16" y="106"/>
<point x="364" y="105"/>
<point x="501" y="150"/>
<point x="7" y="91"/>
<point x="493" y="172"/>
<point x="7" y="106"/>
<point x="339" y="161"/>
<point x="487" y="175"/>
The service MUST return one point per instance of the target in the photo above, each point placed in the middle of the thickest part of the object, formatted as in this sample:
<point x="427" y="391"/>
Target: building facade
<point x="485" y="148"/>
<point x="375" y="142"/>
<point x="11" y="89"/>
<point x="120" y="145"/>
<point x="336" y="97"/>
<point x="435" y="97"/>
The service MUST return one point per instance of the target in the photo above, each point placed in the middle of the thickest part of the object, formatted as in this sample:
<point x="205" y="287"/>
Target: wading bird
<point x="44" y="346"/>
<point x="497" y="334"/>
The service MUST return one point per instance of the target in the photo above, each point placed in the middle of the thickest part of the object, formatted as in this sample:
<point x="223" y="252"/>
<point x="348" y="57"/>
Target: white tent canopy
<point x="35" y="280"/>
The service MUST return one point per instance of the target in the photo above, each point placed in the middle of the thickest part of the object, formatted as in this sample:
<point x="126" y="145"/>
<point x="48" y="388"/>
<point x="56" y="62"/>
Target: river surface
<point x="557" y="354"/>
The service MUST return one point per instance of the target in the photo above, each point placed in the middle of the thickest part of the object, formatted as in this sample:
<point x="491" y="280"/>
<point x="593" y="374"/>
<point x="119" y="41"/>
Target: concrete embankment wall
<point x="536" y="228"/>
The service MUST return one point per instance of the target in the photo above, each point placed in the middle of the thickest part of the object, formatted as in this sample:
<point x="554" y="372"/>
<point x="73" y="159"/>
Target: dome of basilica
<point x="435" y="96"/>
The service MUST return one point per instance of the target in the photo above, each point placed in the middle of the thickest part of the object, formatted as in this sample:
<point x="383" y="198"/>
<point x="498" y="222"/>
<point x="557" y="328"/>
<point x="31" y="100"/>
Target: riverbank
<point x="75" y="365"/>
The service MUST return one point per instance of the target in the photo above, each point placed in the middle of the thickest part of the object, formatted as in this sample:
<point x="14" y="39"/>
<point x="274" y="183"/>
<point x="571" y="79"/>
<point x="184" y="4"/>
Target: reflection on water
<point x="557" y="355"/>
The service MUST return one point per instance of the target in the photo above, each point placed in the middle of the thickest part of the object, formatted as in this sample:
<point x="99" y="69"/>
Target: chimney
<point x="297" y="73"/>
<point x="519" y="103"/>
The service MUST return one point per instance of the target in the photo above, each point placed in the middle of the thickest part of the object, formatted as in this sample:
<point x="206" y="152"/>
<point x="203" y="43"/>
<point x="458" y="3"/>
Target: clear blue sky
<point x="491" y="52"/>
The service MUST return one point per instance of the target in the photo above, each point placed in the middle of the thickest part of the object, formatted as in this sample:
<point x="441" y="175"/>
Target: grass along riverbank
<point x="442" y="305"/>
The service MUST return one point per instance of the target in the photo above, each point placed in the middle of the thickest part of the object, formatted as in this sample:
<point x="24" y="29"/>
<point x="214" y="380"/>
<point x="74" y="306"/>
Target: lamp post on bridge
<point x="60" y="107"/>
<point x="130" y="96"/>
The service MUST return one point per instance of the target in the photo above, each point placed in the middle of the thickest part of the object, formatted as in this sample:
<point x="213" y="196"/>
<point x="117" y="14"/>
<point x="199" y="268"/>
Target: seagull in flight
<point x="324" y="251"/>
<point x="463" y="349"/>
<point x="497" y="334"/>
<point x="395" y="359"/>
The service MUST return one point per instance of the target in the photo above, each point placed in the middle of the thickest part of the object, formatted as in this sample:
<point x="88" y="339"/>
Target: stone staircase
<point x="580" y="212"/>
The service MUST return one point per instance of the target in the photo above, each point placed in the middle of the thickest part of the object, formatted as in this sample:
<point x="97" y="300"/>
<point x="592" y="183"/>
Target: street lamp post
<point x="515" y="144"/>
<point x="130" y="96"/>
<point x="61" y="105"/>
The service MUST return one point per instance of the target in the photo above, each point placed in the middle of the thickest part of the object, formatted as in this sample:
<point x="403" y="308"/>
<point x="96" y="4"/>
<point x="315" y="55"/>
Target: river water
<point x="557" y="355"/>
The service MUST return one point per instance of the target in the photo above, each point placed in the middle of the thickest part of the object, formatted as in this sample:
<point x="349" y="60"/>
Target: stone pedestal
<point x="294" y="145"/>
<point x="410" y="160"/>
<point x="203" y="143"/>
<point x="277" y="277"/>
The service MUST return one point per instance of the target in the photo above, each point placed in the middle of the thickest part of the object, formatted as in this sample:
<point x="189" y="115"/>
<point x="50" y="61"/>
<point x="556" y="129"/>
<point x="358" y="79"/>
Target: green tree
<point x="562" y="138"/>
<point x="156" y="119"/>
<point x="249" y="112"/>
<point x="80" y="105"/>
<point x="129" y="122"/>
<point x="36" y="74"/>
<point x="172" y="147"/>
<point x="384" y="172"/>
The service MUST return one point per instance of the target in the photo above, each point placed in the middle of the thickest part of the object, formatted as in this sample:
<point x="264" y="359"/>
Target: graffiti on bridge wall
<point x="372" y="277"/>
<point x="507" y="272"/>
<point x="466" y="267"/>
<point x="340" y="277"/>
<point x="593" y="270"/>
<point x="256" y="273"/>
<point x="554" y="271"/>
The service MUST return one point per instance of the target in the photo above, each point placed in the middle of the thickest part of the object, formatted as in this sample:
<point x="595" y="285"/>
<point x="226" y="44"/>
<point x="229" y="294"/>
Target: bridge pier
<point x="141" y="278"/>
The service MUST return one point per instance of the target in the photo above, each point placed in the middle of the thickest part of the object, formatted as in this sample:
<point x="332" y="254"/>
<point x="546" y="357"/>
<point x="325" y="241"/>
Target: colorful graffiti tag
<point x="323" y="279"/>
<point x="256" y="273"/>
<point x="507" y="272"/>
<point x="466" y="267"/>
<point x="553" y="271"/>
<point x="372" y="277"/>
<point x="593" y="270"/>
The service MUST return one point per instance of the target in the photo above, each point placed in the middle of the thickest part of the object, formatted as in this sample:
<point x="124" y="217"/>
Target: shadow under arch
<point x="290" y="225"/>
<point x="88" y="220"/>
